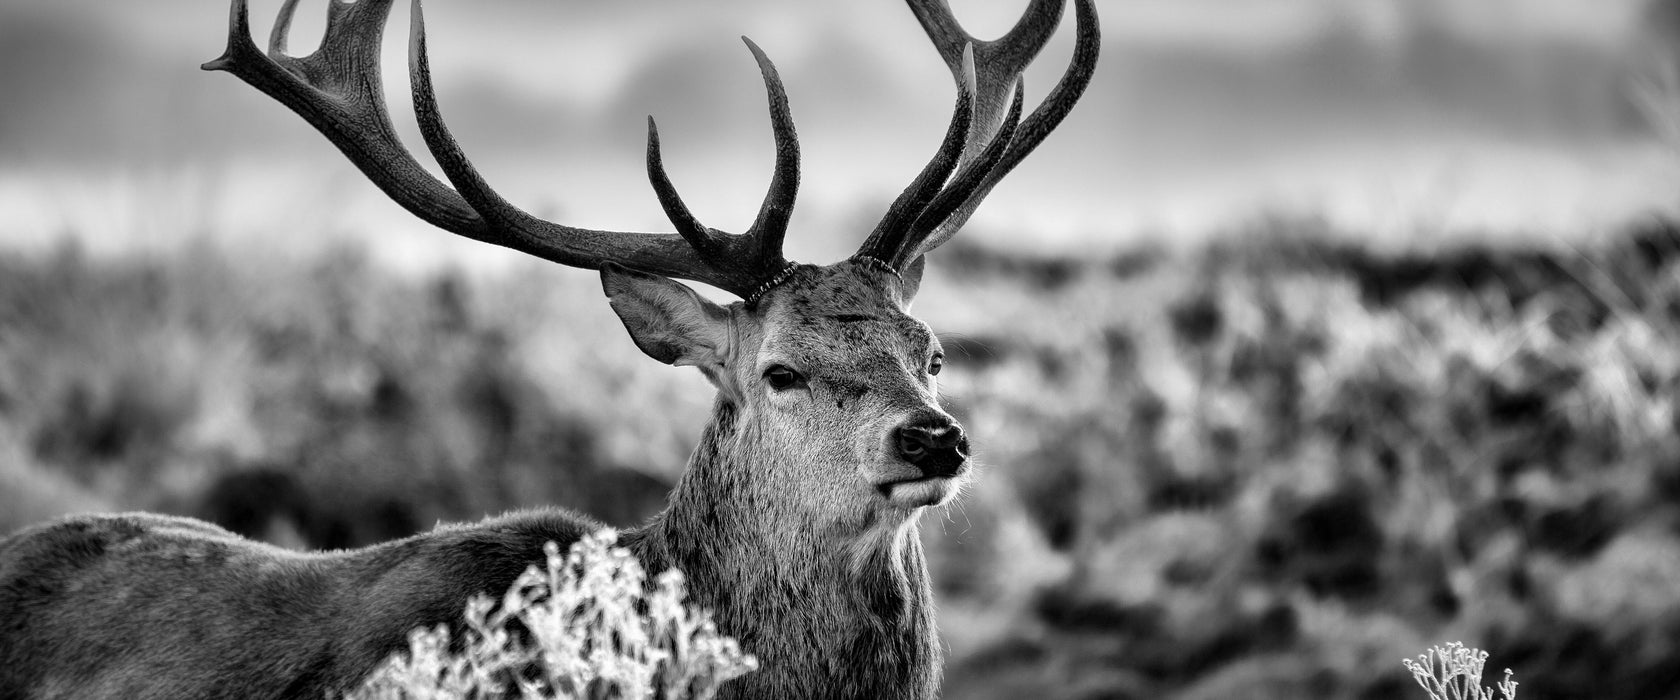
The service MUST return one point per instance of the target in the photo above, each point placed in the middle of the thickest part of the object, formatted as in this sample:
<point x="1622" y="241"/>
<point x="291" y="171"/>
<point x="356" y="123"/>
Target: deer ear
<point x="668" y="321"/>
<point x="911" y="276"/>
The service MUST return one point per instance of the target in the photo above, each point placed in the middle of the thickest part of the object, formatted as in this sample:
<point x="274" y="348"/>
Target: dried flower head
<point x="586" y="625"/>
<point x="1454" y="672"/>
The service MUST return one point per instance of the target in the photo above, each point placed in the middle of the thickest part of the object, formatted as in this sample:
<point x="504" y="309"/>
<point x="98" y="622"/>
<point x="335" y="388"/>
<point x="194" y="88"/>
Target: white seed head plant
<point x="585" y="626"/>
<point x="1454" y="672"/>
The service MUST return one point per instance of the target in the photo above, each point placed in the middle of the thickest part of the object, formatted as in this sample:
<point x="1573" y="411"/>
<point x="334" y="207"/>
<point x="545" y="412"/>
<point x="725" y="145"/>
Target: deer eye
<point x="936" y="363"/>
<point x="781" y="378"/>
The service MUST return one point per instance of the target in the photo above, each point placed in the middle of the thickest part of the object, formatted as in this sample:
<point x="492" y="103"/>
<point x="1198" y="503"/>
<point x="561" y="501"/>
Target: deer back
<point x="140" y="605"/>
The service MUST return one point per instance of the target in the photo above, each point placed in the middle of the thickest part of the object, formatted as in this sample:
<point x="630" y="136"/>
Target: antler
<point x="337" y="90"/>
<point x="984" y="141"/>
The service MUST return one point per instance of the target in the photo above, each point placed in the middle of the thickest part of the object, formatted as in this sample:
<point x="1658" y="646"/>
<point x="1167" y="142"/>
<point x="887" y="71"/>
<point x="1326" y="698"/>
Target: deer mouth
<point x="919" y="492"/>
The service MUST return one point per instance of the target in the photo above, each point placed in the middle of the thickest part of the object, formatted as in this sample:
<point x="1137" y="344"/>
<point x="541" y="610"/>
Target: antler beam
<point x="338" y="91"/>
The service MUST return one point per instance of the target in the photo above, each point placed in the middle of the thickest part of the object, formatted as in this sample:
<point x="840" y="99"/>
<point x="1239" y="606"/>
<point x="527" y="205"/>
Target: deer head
<point x="835" y="383"/>
<point x="831" y="384"/>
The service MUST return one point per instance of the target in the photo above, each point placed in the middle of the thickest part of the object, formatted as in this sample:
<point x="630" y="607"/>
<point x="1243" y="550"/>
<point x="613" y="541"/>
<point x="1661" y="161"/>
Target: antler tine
<point x="702" y="238"/>
<point x="770" y="226"/>
<point x="759" y="250"/>
<point x="967" y="182"/>
<point x="888" y="236"/>
<point x="998" y="62"/>
<point x="1037" y="126"/>
<point x="338" y="91"/>
<point x="348" y="112"/>
<point x="498" y="212"/>
<point x="998" y="66"/>
<point x="282" y="27"/>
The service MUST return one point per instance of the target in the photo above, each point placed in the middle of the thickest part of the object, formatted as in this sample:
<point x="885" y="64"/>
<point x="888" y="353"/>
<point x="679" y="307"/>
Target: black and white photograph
<point x="880" y="349"/>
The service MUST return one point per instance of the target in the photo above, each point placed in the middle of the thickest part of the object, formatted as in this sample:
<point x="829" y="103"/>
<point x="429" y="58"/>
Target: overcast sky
<point x="1391" y="115"/>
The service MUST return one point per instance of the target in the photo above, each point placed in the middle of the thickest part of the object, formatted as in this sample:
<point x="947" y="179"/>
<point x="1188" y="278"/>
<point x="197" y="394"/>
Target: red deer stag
<point x="795" y="520"/>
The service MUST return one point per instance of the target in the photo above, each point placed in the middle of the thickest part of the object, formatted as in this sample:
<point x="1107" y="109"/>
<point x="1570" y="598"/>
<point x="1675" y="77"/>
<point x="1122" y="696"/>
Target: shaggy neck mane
<point x="828" y="613"/>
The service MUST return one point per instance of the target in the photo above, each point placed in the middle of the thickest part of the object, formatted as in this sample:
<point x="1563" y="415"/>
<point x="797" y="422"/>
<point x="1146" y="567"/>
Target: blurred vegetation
<point x="1271" y="468"/>
<point x="324" y="403"/>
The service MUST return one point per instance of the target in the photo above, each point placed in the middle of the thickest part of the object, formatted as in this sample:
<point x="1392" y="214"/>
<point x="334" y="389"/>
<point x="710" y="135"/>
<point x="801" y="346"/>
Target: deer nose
<point x="938" y="449"/>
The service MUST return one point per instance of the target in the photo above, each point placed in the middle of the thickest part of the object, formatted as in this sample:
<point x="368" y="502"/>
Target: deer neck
<point x="838" y="606"/>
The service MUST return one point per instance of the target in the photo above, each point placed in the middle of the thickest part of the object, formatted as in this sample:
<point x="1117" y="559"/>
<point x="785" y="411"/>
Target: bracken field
<point x="1272" y="467"/>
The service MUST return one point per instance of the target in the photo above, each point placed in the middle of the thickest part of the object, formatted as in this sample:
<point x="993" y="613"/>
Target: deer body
<point x="178" y="602"/>
<point x="794" y="521"/>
